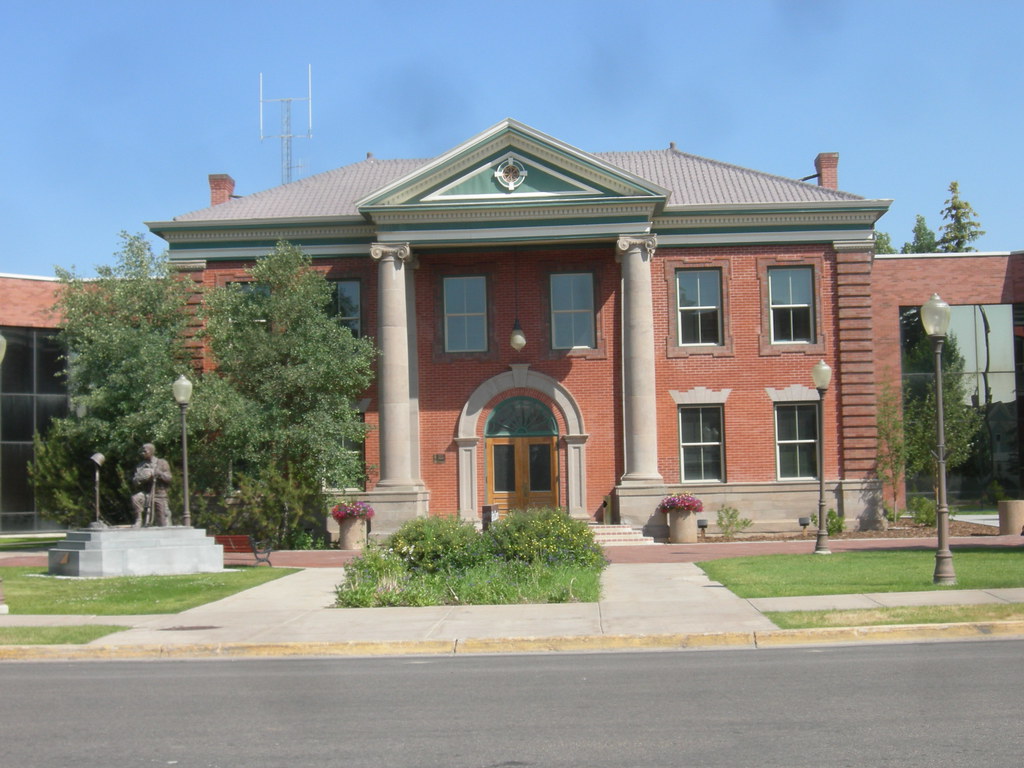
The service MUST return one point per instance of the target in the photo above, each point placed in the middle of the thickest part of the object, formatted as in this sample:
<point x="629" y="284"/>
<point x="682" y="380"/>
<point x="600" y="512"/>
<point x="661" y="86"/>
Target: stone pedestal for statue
<point x="157" y="551"/>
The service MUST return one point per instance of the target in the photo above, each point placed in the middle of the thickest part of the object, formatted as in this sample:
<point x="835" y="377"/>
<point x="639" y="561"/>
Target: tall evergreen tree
<point x="960" y="229"/>
<point x="924" y="238"/>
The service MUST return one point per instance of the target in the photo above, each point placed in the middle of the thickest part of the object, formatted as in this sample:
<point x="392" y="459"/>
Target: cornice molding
<point x="592" y="209"/>
<point x="241" y="232"/>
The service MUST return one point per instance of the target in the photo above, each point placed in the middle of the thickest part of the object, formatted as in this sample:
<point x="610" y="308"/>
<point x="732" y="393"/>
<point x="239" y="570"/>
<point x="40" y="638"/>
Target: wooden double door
<point x="522" y="472"/>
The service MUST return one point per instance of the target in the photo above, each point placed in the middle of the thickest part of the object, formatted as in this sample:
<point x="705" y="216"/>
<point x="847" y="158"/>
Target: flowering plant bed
<point x="682" y="502"/>
<point x="348" y="510"/>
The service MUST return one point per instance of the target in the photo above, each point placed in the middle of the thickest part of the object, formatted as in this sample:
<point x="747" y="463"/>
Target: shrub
<point x="437" y="544"/>
<point x="544" y="535"/>
<point x="379" y="578"/>
<point x="730" y="523"/>
<point x="922" y="509"/>
<point x="304" y="540"/>
<point x="834" y="523"/>
<point x="891" y="513"/>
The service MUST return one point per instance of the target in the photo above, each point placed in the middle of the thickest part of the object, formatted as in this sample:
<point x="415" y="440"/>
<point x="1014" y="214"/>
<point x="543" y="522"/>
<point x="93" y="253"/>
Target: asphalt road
<point x="902" y="705"/>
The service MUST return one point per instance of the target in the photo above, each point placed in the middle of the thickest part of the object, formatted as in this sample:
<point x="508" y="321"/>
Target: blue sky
<point x="114" y="113"/>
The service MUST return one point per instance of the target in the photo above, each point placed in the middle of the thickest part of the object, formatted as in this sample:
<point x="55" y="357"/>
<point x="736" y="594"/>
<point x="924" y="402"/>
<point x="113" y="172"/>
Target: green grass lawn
<point x="915" y="614"/>
<point x="856" y="572"/>
<point x="76" y="635"/>
<point x="16" y="543"/>
<point x="30" y="591"/>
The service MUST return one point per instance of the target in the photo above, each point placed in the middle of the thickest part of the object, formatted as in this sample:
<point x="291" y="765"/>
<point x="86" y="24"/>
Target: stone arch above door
<point x="469" y="431"/>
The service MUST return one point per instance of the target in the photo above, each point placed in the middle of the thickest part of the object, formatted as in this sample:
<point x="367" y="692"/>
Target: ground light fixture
<point x="935" y="319"/>
<point x="182" y="390"/>
<point x="821" y="375"/>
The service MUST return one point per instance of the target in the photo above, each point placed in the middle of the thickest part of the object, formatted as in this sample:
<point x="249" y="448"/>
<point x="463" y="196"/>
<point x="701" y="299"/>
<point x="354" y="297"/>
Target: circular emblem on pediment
<point x="510" y="174"/>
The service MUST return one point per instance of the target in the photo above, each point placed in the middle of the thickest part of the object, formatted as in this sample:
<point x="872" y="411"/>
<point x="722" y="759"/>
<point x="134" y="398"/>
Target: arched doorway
<point x="521" y="444"/>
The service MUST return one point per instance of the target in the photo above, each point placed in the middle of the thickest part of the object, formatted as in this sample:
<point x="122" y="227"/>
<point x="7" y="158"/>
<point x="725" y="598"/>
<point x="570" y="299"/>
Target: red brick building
<point x="563" y="327"/>
<point x="672" y="309"/>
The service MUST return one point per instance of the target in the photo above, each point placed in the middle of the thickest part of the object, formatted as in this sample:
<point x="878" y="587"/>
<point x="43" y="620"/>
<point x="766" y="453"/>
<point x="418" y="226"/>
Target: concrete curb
<point x="569" y="644"/>
<point x="890" y="633"/>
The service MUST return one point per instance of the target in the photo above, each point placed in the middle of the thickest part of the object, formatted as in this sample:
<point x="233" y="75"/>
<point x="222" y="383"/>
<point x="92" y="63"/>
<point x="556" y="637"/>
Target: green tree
<point x="924" y="239"/>
<point x="281" y="402"/>
<point x="960" y="229"/>
<point x="891" y="459"/>
<point x="123" y="338"/>
<point x="883" y="243"/>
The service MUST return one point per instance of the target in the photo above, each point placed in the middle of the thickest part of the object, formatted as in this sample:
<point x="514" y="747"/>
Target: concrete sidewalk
<point x="644" y="606"/>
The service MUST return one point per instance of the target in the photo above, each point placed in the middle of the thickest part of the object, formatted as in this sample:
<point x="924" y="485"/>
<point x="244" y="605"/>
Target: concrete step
<point x="619" y="535"/>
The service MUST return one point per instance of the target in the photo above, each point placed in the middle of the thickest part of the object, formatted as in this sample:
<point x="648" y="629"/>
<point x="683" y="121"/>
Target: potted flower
<point x="351" y="517"/>
<point x="681" y="509"/>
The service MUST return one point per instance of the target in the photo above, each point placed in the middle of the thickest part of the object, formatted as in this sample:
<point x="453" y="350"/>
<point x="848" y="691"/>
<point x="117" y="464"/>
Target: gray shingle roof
<point x="697" y="180"/>
<point x="693" y="180"/>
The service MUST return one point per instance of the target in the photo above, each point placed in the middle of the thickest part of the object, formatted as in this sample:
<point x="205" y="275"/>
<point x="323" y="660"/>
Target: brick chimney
<point x="827" y="166"/>
<point x="222" y="187"/>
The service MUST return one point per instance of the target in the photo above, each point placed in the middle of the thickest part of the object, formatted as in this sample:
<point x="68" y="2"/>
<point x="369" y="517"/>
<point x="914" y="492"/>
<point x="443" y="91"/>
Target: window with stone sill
<point x="465" y="313"/>
<point x="796" y="441"/>
<point x="699" y="304"/>
<point x="791" y="299"/>
<point x="572" y="311"/>
<point x="346" y="304"/>
<point x="701" y="444"/>
<point x="791" y="319"/>
<point x="698" y="307"/>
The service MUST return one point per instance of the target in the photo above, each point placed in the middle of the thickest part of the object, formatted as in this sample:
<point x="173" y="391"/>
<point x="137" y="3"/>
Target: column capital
<point x="646" y="243"/>
<point x="383" y="251"/>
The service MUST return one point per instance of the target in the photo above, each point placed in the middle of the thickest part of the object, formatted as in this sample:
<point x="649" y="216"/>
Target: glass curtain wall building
<point x="987" y="341"/>
<point x="32" y="392"/>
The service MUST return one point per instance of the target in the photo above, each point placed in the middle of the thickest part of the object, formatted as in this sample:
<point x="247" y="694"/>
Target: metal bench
<point x="242" y="544"/>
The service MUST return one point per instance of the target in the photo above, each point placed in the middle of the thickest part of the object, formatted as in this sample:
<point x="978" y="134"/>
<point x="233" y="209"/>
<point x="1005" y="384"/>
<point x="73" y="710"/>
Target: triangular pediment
<point x="512" y="163"/>
<point x="512" y="176"/>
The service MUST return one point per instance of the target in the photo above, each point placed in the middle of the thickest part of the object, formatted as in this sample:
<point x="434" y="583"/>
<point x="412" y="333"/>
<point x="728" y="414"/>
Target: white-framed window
<point x="572" y="310"/>
<point x="791" y="292"/>
<point x="465" y="314"/>
<point x="701" y="443"/>
<point x="796" y="440"/>
<point x="699" y="303"/>
<point x="346" y="305"/>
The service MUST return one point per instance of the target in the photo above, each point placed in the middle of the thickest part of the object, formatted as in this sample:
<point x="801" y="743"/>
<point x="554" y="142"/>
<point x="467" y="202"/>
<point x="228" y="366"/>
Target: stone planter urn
<point x="682" y="526"/>
<point x="352" y="533"/>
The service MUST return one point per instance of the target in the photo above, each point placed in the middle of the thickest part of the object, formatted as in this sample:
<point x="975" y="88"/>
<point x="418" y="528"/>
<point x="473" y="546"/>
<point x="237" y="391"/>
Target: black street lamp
<point x="821" y="374"/>
<point x="935" y="319"/>
<point x="182" y="389"/>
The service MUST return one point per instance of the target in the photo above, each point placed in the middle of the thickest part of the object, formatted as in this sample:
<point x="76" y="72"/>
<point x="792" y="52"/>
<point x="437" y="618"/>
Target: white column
<point x="639" y="405"/>
<point x="396" y="465"/>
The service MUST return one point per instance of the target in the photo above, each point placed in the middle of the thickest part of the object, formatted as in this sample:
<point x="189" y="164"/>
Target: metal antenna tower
<point x="286" y="134"/>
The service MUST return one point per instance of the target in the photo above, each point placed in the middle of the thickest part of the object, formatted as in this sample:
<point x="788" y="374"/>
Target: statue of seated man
<point x="153" y="477"/>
